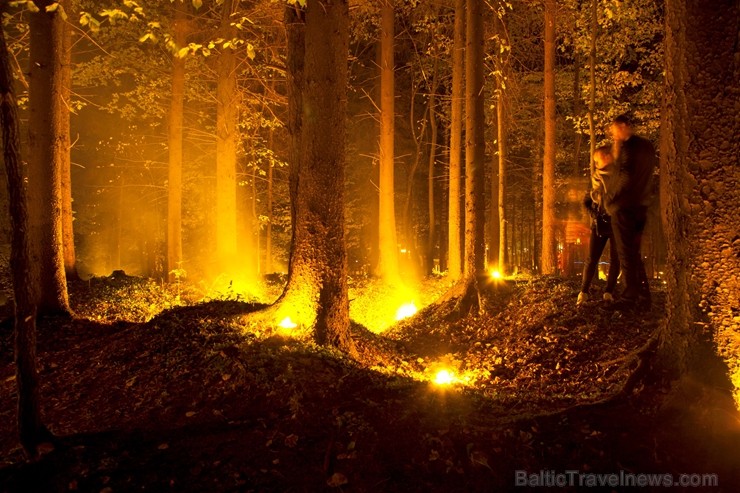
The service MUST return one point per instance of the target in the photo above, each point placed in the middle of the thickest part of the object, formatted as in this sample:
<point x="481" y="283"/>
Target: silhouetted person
<point x="601" y="229"/>
<point x="627" y="200"/>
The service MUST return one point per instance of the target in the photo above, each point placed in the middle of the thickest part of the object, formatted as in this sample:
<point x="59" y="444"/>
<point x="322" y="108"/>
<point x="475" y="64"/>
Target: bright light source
<point x="495" y="274"/>
<point x="406" y="311"/>
<point x="287" y="323"/>
<point x="444" y="377"/>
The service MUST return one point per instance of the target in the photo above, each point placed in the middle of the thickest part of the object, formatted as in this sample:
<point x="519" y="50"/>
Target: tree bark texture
<point x="227" y="116"/>
<point x="48" y="132"/>
<point x="549" y="246"/>
<point x="474" y="263"/>
<point x="25" y="279"/>
<point x="700" y="181"/>
<point x="316" y="293"/>
<point x="501" y="188"/>
<point x="455" y="221"/>
<point x="432" y="238"/>
<point x="175" y="143"/>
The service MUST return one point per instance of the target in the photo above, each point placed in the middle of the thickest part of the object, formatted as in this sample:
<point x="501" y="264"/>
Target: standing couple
<point x="621" y="188"/>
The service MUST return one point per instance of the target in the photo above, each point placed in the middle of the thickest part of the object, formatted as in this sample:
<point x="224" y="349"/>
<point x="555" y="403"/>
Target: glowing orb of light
<point x="287" y="323"/>
<point x="495" y="274"/>
<point x="406" y="311"/>
<point x="444" y="377"/>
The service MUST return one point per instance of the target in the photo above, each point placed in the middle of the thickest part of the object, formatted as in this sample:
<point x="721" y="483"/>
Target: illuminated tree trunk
<point x="270" y="213"/>
<point x="316" y="294"/>
<point x="576" y="112"/>
<point x="32" y="431"/>
<point x="549" y="258"/>
<point x="174" y="182"/>
<point x="388" y="244"/>
<point x="493" y="223"/>
<point x="227" y="115"/>
<point x="592" y="83"/>
<point x="699" y="150"/>
<point x="68" y="241"/>
<point x="48" y="144"/>
<point x="455" y="250"/>
<point x="501" y="189"/>
<point x="467" y="291"/>
<point x="430" y="170"/>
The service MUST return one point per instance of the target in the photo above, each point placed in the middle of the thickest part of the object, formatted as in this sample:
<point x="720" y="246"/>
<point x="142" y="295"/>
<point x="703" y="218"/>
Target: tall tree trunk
<point x="270" y="214"/>
<point x="455" y="221"/>
<point x="700" y="144"/>
<point x="549" y="257"/>
<point x="494" y="223"/>
<point x="48" y="142"/>
<point x="431" y="239"/>
<point x="502" y="265"/>
<point x="227" y="116"/>
<point x="576" y="113"/>
<point x="174" y="182"/>
<point x="295" y="31"/>
<point x="388" y="244"/>
<point x="68" y="239"/>
<point x="592" y="84"/>
<point x="32" y="431"/>
<point x="316" y="293"/>
<point x="474" y="259"/>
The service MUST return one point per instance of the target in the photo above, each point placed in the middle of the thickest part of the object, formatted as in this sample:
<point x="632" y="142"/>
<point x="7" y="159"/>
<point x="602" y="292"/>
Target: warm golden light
<point x="444" y="377"/>
<point x="496" y="274"/>
<point x="287" y="323"/>
<point x="406" y="311"/>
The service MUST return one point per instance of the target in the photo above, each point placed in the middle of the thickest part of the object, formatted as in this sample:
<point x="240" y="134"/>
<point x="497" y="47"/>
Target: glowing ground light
<point x="444" y="377"/>
<point x="495" y="274"/>
<point x="287" y="323"/>
<point x="406" y="311"/>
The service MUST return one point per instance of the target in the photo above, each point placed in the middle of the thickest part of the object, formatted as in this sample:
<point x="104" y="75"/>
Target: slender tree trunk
<point x="455" y="247"/>
<point x="431" y="239"/>
<point x="501" y="188"/>
<point x="227" y="116"/>
<point x="174" y="182"/>
<point x="48" y="143"/>
<point x="254" y="230"/>
<point x="592" y="84"/>
<point x="549" y="257"/>
<point x="494" y="223"/>
<point x="388" y="244"/>
<point x="270" y="213"/>
<point x="576" y="113"/>
<point x="295" y="30"/>
<point x="316" y="294"/>
<point x="700" y="144"/>
<point x="68" y="239"/>
<point x="32" y="431"/>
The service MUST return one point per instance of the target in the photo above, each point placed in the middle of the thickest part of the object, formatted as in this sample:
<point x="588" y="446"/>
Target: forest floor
<point x="186" y="400"/>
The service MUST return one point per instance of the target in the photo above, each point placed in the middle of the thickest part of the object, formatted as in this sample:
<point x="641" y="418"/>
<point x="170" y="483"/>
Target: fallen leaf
<point x="163" y="446"/>
<point x="336" y="480"/>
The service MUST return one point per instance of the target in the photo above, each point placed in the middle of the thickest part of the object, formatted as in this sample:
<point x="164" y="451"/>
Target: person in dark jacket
<point x="627" y="201"/>
<point x="601" y="229"/>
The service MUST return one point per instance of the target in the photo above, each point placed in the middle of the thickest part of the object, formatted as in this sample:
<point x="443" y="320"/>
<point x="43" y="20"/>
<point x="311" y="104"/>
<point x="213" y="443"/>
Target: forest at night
<point x="369" y="245"/>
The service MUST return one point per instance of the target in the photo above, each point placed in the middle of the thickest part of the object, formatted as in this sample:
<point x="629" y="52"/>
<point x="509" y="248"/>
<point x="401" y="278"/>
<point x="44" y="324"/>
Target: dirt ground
<point x="187" y="401"/>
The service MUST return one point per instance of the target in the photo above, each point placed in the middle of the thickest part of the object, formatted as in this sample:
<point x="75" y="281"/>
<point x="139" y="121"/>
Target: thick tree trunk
<point x="316" y="294"/>
<point x="25" y="281"/>
<point x="455" y="221"/>
<point x="174" y="139"/>
<point x="549" y="247"/>
<point x="494" y="223"/>
<point x="700" y="145"/>
<point x="474" y="263"/>
<point x="388" y="244"/>
<point x="48" y="143"/>
<point x="227" y="116"/>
